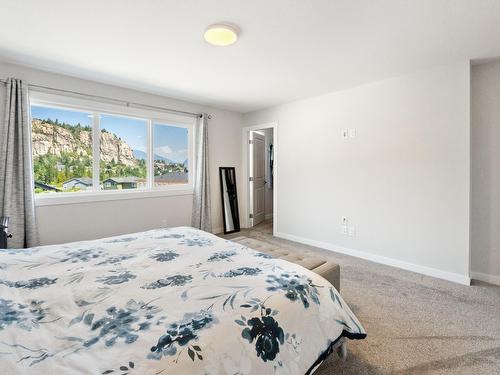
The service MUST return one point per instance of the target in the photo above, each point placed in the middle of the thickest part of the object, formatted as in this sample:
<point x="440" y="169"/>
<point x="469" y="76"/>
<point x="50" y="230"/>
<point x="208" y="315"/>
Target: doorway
<point x="261" y="177"/>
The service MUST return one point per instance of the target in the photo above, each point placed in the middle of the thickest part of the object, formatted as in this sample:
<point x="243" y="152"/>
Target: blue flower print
<point x="166" y="256"/>
<point x="24" y="316"/>
<point x="196" y="241"/>
<point x="118" y="323"/>
<point x="29" y="284"/>
<point x="83" y="255"/>
<point x="176" y="280"/>
<point x="242" y="271"/>
<point x="223" y="255"/>
<point x="266" y="332"/>
<point x="120" y="278"/>
<point x="182" y="333"/>
<point x="295" y="287"/>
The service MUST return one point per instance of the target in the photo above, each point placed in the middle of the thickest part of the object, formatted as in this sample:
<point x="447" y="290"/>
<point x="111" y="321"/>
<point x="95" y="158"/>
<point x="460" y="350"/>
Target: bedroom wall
<point x="485" y="172"/>
<point x="403" y="181"/>
<point x="71" y="222"/>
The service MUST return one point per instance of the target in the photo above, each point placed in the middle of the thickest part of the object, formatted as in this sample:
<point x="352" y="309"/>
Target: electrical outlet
<point x="344" y="220"/>
<point x="164" y="222"/>
<point x="344" y="229"/>
<point x="352" y="231"/>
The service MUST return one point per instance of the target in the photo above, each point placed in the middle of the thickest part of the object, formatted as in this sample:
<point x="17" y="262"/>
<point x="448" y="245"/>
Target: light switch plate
<point x="345" y="134"/>
<point x="344" y="220"/>
<point x="352" y="133"/>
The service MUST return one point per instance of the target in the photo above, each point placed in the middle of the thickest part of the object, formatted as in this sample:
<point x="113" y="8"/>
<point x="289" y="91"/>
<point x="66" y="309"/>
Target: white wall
<point x="485" y="172"/>
<point x="72" y="222"/>
<point x="403" y="181"/>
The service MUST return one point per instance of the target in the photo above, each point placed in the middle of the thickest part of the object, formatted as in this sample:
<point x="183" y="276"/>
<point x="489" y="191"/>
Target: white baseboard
<point x="268" y="216"/>
<point x="428" y="271"/>
<point x="492" y="279"/>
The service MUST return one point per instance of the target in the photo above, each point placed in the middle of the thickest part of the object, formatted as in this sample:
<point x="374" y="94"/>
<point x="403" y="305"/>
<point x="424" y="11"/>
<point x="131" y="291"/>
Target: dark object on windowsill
<point x="4" y="234"/>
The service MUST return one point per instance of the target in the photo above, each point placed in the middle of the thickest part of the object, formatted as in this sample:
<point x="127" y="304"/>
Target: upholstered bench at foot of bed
<point x="331" y="272"/>
<point x="306" y="259"/>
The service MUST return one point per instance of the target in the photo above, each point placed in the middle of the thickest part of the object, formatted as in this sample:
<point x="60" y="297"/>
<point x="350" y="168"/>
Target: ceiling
<point x="288" y="49"/>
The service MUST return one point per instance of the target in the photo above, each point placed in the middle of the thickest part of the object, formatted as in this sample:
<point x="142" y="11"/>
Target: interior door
<point x="257" y="175"/>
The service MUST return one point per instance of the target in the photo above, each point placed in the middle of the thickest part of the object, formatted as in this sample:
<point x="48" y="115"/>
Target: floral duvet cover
<point x="170" y="301"/>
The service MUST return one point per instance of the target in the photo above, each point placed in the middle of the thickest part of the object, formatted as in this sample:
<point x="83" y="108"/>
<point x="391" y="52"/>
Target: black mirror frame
<point x="236" y="219"/>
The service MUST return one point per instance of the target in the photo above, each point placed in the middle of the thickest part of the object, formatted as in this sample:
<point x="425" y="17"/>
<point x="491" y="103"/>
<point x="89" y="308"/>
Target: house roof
<point x="172" y="177"/>
<point x="84" y="180"/>
<point x="43" y="186"/>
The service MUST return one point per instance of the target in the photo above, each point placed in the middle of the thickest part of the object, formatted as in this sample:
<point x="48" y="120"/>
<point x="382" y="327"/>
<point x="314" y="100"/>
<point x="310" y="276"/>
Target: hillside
<point x="62" y="152"/>
<point x="49" y="138"/>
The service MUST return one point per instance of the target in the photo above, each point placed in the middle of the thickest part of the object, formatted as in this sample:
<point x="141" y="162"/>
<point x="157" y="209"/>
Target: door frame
<point x="246" y="171"/>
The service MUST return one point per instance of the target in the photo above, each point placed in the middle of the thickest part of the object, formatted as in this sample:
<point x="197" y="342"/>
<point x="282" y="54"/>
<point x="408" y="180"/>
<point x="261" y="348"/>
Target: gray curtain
<point x="201" y="199"/>
<point x="16" y="179"/>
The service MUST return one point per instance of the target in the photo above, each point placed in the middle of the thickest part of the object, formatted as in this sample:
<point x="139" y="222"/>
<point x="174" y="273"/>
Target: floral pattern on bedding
<point x="174" y="300"/>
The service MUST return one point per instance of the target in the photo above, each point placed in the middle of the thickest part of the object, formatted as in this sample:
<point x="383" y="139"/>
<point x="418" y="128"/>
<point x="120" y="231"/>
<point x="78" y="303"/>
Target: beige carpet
<point x="416" y="324"/>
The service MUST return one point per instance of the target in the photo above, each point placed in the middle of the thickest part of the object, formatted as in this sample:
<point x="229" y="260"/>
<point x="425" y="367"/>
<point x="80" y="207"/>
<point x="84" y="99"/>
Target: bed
<point x="168" y="301"/>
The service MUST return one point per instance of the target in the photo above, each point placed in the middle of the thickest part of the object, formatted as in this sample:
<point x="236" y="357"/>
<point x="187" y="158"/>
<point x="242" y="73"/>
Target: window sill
<point x="56" y="199"/>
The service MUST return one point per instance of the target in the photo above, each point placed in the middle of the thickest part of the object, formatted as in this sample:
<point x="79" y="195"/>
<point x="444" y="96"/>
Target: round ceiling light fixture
<point x="221" y="34"/>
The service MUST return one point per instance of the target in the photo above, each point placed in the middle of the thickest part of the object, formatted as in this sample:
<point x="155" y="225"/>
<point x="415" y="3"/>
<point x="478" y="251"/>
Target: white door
<point x="257" y="174"/>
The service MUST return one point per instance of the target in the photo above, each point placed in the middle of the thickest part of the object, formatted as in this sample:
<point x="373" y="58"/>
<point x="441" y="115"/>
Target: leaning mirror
<point x="229" y="195"/>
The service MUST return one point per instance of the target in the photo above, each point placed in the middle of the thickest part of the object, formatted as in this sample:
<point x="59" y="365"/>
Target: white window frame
<point x="40" y="98"/>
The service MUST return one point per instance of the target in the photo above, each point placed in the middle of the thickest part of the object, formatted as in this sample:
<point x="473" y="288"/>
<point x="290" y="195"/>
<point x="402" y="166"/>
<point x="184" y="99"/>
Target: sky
<point x="171" y="142"/>
<point x="63" y="115"/>
<point x="131" y="130"/>
<point x="168" y="141"/>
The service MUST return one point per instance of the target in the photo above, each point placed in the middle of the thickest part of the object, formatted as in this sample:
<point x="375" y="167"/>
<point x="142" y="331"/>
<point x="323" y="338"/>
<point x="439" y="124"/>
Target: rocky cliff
<point x="57" y="139"/>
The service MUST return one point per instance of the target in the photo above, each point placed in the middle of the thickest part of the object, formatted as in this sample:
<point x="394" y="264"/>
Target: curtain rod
<point x="123" y="102"/>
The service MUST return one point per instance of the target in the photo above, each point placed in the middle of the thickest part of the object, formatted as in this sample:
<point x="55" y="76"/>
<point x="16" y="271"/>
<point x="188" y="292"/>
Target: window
<point x="88" y="148"/>
<point x="123" y="153"/>
<point x="170" y="158"/>
<point x="62" y="149"/>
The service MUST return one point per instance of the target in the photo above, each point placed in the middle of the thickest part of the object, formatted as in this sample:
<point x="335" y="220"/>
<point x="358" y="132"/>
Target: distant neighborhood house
<point x="80" y="183"/>
<point x="118" y="183"/>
